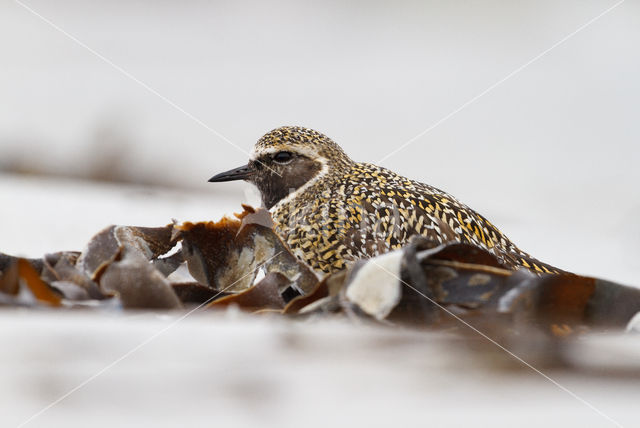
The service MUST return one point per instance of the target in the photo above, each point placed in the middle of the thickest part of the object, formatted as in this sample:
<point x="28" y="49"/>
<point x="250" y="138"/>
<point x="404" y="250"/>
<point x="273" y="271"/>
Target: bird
<point x="332" y="211"/>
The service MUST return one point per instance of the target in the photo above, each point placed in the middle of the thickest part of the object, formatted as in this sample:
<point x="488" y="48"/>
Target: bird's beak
<point x="240" y="173"/>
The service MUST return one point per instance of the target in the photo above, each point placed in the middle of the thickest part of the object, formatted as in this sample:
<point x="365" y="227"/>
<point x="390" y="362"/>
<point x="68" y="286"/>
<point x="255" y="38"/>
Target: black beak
<point x="240" y="173"/>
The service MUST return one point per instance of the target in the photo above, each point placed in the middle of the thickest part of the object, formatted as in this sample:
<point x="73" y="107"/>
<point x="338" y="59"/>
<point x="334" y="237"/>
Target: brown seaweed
<point x="21" y="275"/>
<point x="441" y="285"/>
<point x="426" y="284"/>
<point x="264" y="295"/>
<point x="227" y="254"/>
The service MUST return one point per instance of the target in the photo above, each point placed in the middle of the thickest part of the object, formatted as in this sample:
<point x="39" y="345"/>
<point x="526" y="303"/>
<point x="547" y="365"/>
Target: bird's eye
<point x="283" y="157"/>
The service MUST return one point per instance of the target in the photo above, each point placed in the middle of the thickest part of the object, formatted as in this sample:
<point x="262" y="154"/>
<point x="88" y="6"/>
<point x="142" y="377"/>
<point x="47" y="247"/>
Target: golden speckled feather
<point x="332" y="211"/>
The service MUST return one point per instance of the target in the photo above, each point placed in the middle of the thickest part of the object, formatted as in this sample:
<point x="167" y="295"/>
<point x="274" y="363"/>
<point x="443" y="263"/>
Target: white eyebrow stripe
<point x="311" y="154"/>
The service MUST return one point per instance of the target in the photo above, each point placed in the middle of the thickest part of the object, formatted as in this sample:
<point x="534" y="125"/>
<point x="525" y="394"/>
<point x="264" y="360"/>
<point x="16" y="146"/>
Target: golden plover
<point x="332" y="211"/>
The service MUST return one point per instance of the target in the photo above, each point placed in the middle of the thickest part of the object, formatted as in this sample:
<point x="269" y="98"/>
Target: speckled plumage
<point x="345" y="210"/>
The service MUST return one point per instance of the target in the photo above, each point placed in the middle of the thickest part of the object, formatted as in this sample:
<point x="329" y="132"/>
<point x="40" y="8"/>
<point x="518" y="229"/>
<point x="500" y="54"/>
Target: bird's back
<point x="365" y="210"/>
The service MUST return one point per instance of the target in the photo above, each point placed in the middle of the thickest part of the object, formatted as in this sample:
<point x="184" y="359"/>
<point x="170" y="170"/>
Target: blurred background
<point x="550" y="155"/>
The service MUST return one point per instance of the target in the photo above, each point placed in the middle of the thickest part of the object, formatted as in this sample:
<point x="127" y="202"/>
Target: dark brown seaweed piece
<point x="226" y="255"/>
<point x="439" y="285"/>
<point x="194" y="292"/>
<point x="264" y="295"/>
<point x="329" y="286"/>
<point x="213" y="257"/>
<point x="9" y="277"/>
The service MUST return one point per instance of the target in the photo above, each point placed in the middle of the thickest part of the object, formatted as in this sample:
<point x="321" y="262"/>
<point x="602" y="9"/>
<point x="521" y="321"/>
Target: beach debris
<point x="265" y="295"/>
<point x="441" y="285"/>
<point x="21" y="285"/>
<point x="213" y="265"/>
<point x="226" y="255"/>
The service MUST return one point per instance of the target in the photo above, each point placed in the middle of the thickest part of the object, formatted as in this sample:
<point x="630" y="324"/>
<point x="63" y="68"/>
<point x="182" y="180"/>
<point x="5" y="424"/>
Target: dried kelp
<point x="425" y="284"/>
<point x="133" y="266"/>
<point x="119" y="259"/>
<point x="21" y="285"/>
<point x="264" y="295"/>
<point x="440" y="285"/>
<point x="226" y="255"/>
<point x="138" y="283"/>
<point x="194" y="292"/>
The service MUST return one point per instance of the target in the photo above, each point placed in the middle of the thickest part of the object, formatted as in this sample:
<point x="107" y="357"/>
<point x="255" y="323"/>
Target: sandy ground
<point x="228" y="369"/>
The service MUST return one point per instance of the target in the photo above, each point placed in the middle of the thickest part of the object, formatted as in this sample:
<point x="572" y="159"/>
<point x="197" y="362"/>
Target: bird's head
<point x="286" y="159"/>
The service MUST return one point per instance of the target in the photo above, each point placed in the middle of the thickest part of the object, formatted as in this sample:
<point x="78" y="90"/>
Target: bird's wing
<point x="386" y="210"/>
